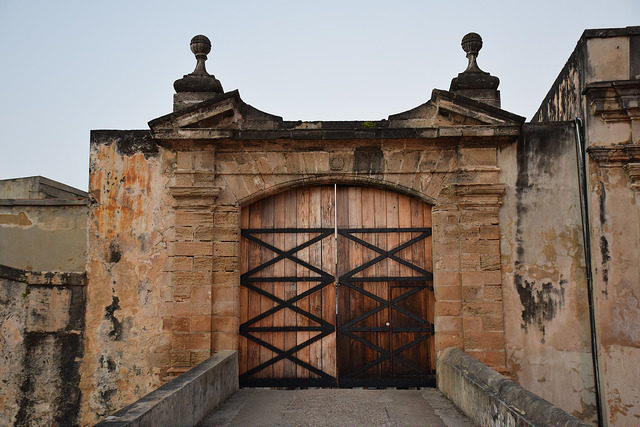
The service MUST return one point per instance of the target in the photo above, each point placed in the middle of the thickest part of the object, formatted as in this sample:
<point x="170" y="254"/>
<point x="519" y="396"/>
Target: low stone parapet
<point x="490" y="399"/>
<point x="185" y="400"/>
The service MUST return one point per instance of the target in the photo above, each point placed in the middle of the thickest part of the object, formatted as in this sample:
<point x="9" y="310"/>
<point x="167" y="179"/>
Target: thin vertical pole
<point x="335" y="210"/>
<point x="335" y="238"/>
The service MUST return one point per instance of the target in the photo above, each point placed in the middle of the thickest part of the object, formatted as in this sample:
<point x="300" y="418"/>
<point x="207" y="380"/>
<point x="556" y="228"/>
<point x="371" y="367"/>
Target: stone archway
<point x="459" y="179"/>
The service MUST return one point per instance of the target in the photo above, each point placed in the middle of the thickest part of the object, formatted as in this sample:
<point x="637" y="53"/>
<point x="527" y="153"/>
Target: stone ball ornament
<point x="200" y="45"/>
<point x="471" y="43"/>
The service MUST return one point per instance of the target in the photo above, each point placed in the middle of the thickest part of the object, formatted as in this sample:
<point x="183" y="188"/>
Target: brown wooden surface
<point x="336" y="354"/>
<point x="379" y="209"/>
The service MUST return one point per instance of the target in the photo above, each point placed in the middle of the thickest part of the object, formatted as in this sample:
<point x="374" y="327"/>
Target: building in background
<point x="43" y="255"/>
<point x="43" y="225"/>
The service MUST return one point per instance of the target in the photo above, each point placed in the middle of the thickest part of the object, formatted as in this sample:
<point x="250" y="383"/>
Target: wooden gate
<point x="302" y="327"/>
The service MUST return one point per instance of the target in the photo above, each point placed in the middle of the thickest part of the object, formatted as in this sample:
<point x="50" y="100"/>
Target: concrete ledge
<point x="52" y="278"/>
<point x="490" y="399"/>
<point x="185" y="400"/>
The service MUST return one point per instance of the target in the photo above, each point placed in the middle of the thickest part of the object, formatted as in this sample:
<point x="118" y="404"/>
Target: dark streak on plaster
<point x="128" y="142"/>
<point x="107" y="363"/>
<point x="540" y="304"/>
<point x="606" y="257"/>
<point x="115" y="254"/>
<point x="604" y="244"/>
<point x="116" y="327"/>
<point x="67" y="402"/>
<point x="538" y="147"/>
<point x="603" y="203"/>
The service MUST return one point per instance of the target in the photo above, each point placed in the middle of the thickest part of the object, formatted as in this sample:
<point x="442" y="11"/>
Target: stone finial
<point x="473" y="82"/>
<point x="471" y="44"/>
<point x="199" y="80"/>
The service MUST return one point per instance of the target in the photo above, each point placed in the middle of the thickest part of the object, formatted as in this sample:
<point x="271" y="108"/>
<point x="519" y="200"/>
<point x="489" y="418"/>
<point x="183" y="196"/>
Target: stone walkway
<point x="337" y="407"/>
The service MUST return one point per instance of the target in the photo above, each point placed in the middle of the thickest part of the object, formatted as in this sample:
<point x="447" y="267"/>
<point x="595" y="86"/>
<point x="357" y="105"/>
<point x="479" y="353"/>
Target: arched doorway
<point x="336" y="289"/>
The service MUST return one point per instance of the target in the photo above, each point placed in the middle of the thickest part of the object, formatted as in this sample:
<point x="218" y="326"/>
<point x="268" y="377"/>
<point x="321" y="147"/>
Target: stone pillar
<point x="226" y="277"/>
<point x="191" y="261"/>
<point x="468" y="282"/>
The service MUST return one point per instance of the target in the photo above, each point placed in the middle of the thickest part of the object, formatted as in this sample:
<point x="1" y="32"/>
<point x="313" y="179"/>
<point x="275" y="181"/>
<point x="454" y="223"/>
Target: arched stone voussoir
<point x="339" y="179"/>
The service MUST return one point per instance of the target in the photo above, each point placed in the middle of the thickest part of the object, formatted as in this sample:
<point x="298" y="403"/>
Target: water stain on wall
<point x="540" y="302"/>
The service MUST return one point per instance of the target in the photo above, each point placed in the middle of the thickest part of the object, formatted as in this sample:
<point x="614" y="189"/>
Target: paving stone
<point x="337" y="407"/>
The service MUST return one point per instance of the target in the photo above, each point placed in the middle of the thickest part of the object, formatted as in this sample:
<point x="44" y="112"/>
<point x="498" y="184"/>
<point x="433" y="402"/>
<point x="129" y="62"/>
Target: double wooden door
<point x="336" y="290"/>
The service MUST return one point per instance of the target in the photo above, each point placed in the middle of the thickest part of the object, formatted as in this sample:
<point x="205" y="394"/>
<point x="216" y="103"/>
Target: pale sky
<point x="72" y="66"/>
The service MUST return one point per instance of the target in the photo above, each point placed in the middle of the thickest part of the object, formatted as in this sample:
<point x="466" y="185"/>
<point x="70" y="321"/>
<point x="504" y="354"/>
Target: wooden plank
<point x="404" y="221"/>
<point x="315" y="259"/>
<point x="279" y="214"/>
<point x="290" y="270"/>
<point x="417" y="304"/>
<point x="398" y="321"/>
<point x="368" y="304"/>
<point x="382" y="270"/>
<point x="343" y="293"/>
<point x="329" y="292"/>
<point x="357" y="350"/>
<point x="267" y="303"/>
<point x="244" y="297"/>
<point x="303" y="255"/>
<point x="254" y="300"/>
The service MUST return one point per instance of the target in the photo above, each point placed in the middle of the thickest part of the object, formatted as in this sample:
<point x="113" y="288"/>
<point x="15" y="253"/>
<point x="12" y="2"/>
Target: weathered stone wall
<point x="615" y="227"/>
<point x="128" y="292"/>
<point x="185" y="400"/>
<point x="490" y="399"/>
<point x="44" y="235"/>
<point x="163" y="269"/>
<point x="600" y="85"/>
<point x="547" y="329"/>
<point x="41" y="345"/>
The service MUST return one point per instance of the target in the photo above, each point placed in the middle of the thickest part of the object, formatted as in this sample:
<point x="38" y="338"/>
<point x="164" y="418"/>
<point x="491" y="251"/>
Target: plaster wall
<point x="599" y="84"/>
<point x="546" y="314"/>
<point x="616" y="248"/>
<point x="42" y="236"/>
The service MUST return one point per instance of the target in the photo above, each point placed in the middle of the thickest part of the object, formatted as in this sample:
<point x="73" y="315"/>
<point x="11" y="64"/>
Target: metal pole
<point x="586" y="235"/>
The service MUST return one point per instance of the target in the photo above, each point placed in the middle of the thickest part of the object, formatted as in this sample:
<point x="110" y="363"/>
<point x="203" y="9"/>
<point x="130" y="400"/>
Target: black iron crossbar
<point x="248" y="328"/>
<point x="422" y="282"/>
<point x="349" y="234"/>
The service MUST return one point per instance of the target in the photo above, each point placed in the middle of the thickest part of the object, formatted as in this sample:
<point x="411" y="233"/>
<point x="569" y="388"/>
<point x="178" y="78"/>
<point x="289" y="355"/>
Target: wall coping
<point x="185" y="400"/>
<point x="43" y="202"/>
<point x="491" y="399"/>
<point x="43" y="277"/>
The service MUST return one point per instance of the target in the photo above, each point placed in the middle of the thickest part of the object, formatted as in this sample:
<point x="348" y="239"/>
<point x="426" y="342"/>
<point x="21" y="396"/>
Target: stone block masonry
<point x="41" y="345"/>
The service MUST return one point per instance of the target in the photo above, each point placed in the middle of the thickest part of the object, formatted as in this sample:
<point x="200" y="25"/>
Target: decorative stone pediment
<point x="221" y="113"/>
<point x="446" y="109"/>
<point x="445" y="114"/>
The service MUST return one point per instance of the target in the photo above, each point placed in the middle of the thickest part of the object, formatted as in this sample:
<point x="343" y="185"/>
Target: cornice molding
<point x="615" y="155"/>
<point x="615" y="101"/>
